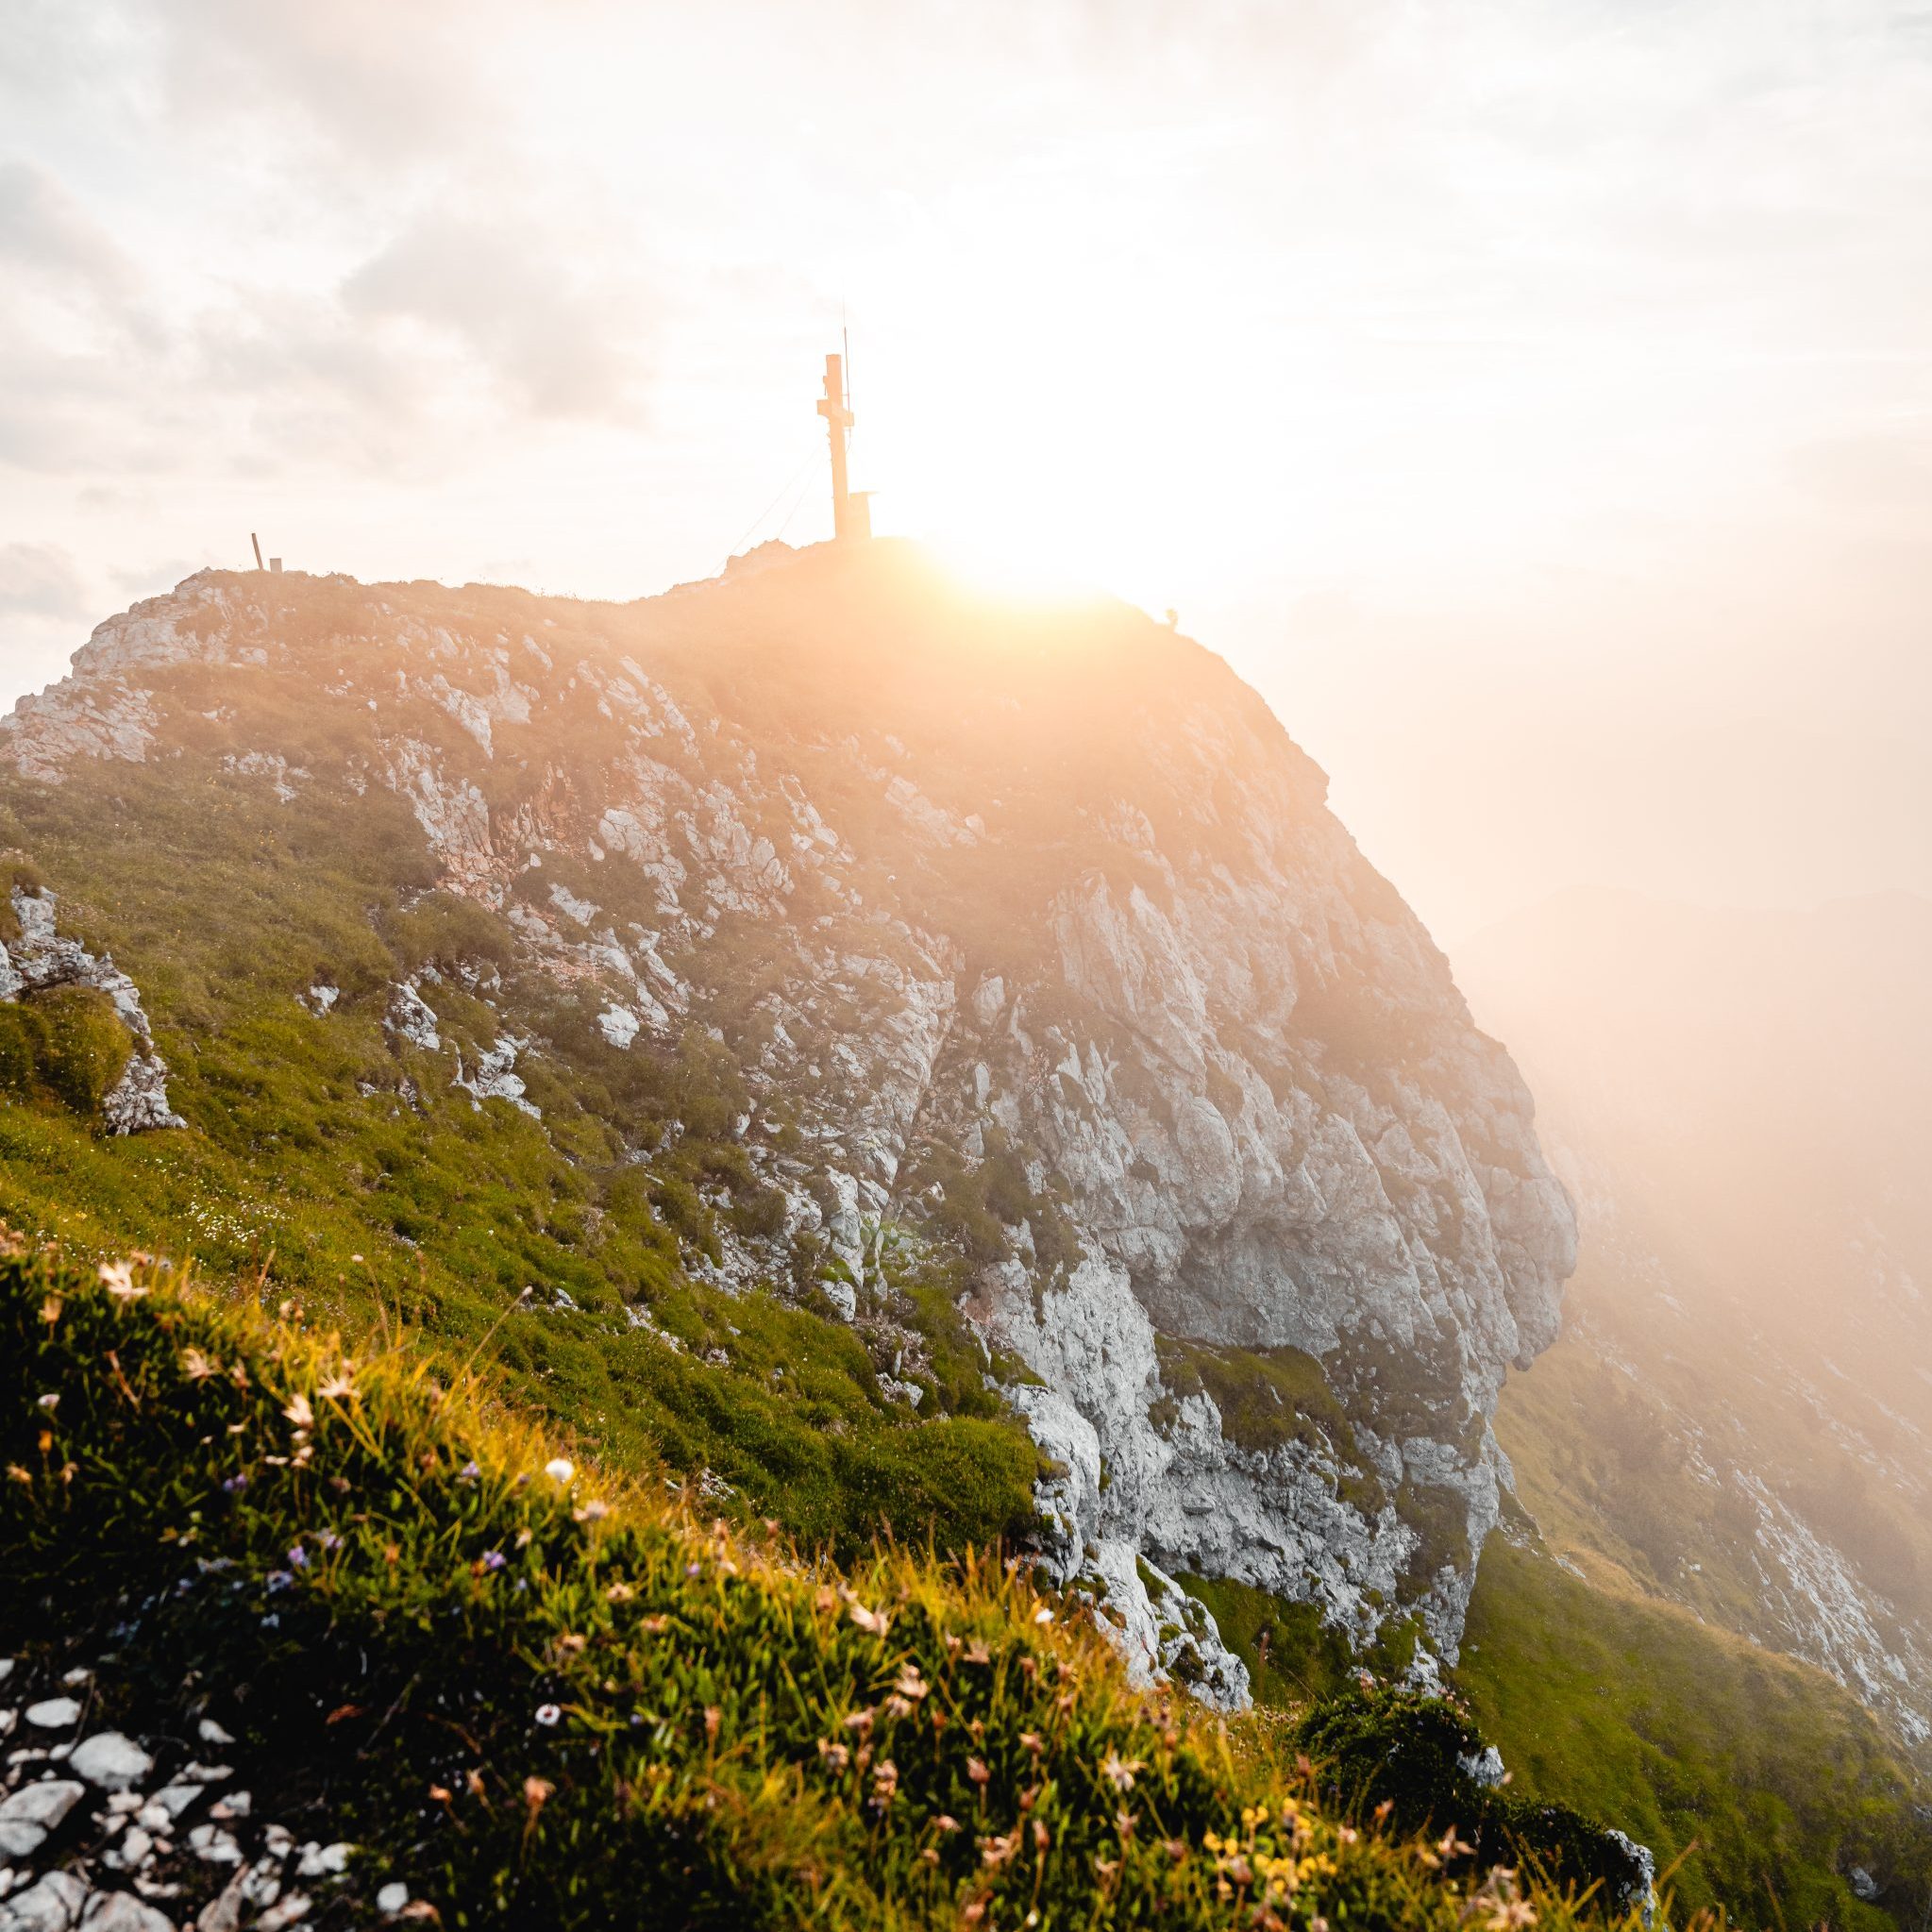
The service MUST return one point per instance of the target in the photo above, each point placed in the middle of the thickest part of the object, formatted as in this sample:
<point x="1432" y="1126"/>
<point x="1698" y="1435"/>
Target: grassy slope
<point x="1629" y="1473"/>
<point x="1758" y="1778"/>
<point x="309" y="1163"/>
<point x="741" y="1739"/>
<point x="1692" y="1738"/>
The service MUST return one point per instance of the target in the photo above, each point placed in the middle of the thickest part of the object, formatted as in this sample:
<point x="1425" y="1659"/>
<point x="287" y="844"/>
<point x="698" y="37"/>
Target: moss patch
<point x="66" y="1045"/>
<point x="1268" y="1397"/>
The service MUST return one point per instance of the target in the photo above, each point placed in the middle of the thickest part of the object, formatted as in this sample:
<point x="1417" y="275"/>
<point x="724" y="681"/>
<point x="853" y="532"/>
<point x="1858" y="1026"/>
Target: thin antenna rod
<point x="257" y="542"/>
<point x="844" y="336"/>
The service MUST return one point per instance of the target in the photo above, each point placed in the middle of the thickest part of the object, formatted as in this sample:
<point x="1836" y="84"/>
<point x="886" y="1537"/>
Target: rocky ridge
<point x="1033" y="937"/>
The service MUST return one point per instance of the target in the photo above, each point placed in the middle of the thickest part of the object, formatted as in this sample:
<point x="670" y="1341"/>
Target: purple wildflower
<point x="236" y="1483"/>
<point x="298" y="1558"/>
<point x="279" y="1579"/>
<point x="493" y="1559"/>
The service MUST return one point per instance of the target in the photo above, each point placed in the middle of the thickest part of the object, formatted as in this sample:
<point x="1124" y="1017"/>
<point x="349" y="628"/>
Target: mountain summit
<point x="900" y="1015"/>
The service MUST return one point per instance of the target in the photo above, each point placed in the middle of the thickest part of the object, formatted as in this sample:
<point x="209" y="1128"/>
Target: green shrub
<point x="683" y="1211"/>
<point x="759" y="1214"/>
<point x="17" y="871"/>
<point x="446" y="931"/>
<point x="979" y="1205"/>
<point x="67" y="1043"/>
<point x="1374" y="1745"/>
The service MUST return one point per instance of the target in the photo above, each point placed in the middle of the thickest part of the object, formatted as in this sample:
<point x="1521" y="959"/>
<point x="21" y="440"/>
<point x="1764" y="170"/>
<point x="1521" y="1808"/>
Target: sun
<point x="1038" y="498"/>
<point x="1005" y="384"/>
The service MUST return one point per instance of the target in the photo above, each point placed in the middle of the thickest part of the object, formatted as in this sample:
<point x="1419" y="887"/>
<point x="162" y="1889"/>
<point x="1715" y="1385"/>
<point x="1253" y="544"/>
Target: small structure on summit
<point x="851" y="510"/>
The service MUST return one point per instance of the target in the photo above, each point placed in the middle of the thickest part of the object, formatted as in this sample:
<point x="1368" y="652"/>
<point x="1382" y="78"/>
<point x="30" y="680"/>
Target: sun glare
<point x="1014" y="569"/>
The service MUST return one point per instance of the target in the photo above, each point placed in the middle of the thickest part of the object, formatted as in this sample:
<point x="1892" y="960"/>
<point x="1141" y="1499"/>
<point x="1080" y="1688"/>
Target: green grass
<point x="363" y="1570"/>
<point x="1757" y="1778"/>
<point x="1268" y="1397"/>
<point x="343" y="1172"/>
<point x="1293" y="1658"/>
<point x="66" y="1045"/>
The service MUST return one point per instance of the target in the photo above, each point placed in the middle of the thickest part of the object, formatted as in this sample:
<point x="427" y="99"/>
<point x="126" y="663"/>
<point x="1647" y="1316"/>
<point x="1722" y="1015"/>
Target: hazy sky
<point x="1534" y="400"/>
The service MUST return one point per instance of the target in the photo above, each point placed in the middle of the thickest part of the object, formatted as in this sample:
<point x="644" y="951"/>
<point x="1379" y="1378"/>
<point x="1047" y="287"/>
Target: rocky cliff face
<point x="1032" y="940"/>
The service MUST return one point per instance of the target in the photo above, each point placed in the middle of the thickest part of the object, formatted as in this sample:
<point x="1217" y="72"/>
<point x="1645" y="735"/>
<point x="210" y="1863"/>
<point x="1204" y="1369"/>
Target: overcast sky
<point x="1534" y="400"/>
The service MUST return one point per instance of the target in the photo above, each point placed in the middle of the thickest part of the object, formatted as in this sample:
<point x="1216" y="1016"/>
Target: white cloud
<point x="1482" y="320"/>
<point x="556" y="330"/>
<point x="46" y="232"/>
<point x="41" y="581"/>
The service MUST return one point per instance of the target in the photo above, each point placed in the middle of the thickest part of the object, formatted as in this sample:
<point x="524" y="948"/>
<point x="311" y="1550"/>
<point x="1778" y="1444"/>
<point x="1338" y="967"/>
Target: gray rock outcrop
<point x="1059" y="955"/>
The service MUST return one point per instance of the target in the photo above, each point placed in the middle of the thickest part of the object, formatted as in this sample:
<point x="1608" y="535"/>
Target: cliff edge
<point x="1031" y="944"/>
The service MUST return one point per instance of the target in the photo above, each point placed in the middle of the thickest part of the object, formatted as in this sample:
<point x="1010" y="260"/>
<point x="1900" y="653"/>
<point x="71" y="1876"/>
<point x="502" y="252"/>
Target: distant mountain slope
<point x="1739" y="1415"/>
<point x="883" y="1023"/>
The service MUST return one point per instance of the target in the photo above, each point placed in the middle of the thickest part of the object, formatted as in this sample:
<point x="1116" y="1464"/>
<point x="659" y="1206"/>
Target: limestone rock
<point x="411" y="1017"/>
<point x="492" y="1079"/>
<point x="112" y="1762"/>
<point x="52" y="1903"/>
<point x="121" y="1911"/>
<point x="1640" y="1894"/>
<point x="27" y="1815"/>
<point x="1053" y="940"/>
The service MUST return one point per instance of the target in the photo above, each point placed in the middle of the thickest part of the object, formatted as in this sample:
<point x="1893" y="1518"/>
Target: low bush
<point x="67" y="1043"/>
<point x="1419" y="1756"/>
